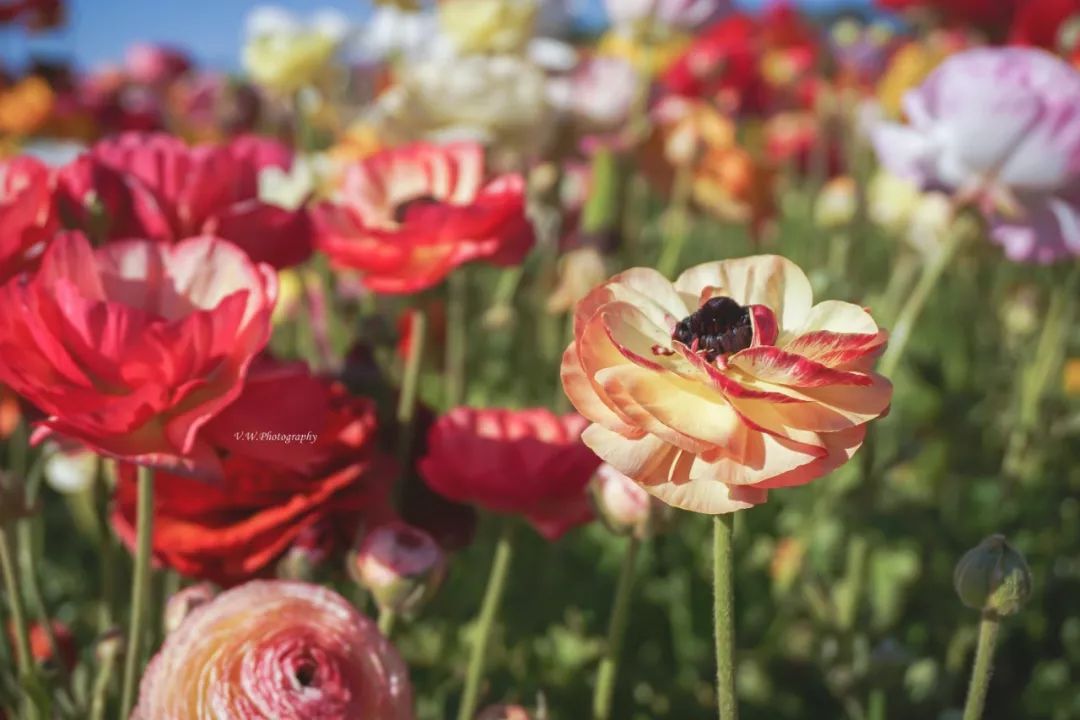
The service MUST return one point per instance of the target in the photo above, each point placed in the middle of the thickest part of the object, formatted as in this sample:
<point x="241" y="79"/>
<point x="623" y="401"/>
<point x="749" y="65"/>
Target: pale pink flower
<point x="276" y="649"/>
<point x="1000" y="126"/>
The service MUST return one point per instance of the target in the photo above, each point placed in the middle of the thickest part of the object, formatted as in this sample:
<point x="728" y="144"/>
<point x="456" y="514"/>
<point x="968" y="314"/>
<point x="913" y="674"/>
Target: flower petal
<point x="769" y="280"/>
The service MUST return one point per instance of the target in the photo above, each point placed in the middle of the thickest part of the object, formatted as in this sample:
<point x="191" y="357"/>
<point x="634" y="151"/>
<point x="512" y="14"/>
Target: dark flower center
<point x="718" y="327"/>
<point x="305" y="674"/>
<point x="401" y="210"/>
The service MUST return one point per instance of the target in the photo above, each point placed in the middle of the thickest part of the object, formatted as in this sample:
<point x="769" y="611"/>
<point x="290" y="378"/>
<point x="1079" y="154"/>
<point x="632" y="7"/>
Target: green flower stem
<point x="724" y="614"/>
<point x="99" y="697"/>
<point x="676" y="220"/>
<point x="28" y="534"/>
<point x="916" y="301"/>
<point x="489" y="607"/>
<point x="140" y="590"/>
<point x="456" y="337"/>
<point x="23" y="656"/>
<point x="387" y="621"/>
<point x="410" y="382"/>
<point x="983" y="668"/>
<point x="1041" y="370"/>
<point x="609" y="664"/>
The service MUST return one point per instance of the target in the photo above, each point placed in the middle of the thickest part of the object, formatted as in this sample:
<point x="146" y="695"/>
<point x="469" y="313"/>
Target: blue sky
<point x="98" y="31"/>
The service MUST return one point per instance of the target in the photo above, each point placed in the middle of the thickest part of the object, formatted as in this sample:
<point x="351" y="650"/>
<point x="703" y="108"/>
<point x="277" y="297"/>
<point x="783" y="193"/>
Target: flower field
<point x="542" y="360"/>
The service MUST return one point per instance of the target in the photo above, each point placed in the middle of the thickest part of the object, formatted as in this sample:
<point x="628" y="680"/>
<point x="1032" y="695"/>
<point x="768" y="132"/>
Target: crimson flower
<point x="406" y="217"/>
<point x="1044" y="23"/>
<point x="299" y="459"/>
<point x="132" y="347"/>
<point x="155" y="186"/>
<point x="521" y="462"/>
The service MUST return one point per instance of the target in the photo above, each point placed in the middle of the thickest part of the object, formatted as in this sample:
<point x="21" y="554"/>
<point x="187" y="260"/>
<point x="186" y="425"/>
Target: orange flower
<point x="730" y="382"/>
<point x="25" y="106"/>
<point x="726" y="179"/>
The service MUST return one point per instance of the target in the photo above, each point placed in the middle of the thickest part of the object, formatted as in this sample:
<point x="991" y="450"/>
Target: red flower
<point x="406" y="217"/>
<point x="992" y="15"/>
<point x="300" y="460"/>
<point x="132" y="347"/>
<point x="155" y="186"/>
<point x="525" y="462"/>
<point x="743" y="64"/>
<point x="26" y="213"/>
<point x="1040" y="23"/>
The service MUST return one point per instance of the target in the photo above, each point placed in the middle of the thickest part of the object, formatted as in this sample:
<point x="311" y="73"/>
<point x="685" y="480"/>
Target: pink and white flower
<point x="1000" y="126"/>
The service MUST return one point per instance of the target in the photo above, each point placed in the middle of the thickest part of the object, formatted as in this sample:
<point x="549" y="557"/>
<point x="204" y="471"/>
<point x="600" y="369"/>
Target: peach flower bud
<point x="400" y="565"/>
<point x="182" y="603"/>
<point x="624" y="506"/>
<point x="274" y="648"/>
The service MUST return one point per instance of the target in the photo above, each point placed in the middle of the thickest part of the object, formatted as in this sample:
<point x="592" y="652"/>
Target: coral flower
<point x="300" y="464"/>
<point x="730" y="382"/>
<point x="27" y="218"/>
<point x="134" y="346"/>
<point x="276" y="649"/>
<point x="1023" y="168"/>
<point x="406" y="217"/>
<point x="523" y="462"/>
<point x="156" y="186"/>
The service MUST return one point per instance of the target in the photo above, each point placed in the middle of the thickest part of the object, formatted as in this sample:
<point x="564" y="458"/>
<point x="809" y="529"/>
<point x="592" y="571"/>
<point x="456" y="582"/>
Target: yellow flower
<point x="283" y="54"/>
<point x="479" y="26"/>
<point x="25" y="106"/>
<point x="649" y="58"/>
<point x="710" y="391"/>
<point x="909" y="66"/>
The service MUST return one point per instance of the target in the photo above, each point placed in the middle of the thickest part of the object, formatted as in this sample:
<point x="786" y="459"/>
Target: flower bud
<point x="181" y="603"/>
<point x="835" y="204"/>
<point x="624" y="506"/>
<point x="109" y="646"/>
<point x="306" y="555"/>
<point x="993" y="577"/>
<point x="70" y="468"/>
<point x="400" y="565"/>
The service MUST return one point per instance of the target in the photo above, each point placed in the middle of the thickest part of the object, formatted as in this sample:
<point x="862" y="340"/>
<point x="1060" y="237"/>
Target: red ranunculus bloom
<point x="991" y="15"/>
<point x="1041" y="23"/>
<point x="524" y="462"/>
<point x="299" y="457"/>
<point x="406" y="217"/>
<point x="745" y="64"/>
<point x="26" y="213"/>
<point x="132" y="347"/>
<point x="156" y="186"/>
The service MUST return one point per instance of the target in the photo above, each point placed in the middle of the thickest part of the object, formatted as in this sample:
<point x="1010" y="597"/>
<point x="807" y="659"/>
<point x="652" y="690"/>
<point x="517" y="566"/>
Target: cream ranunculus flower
<point x="499" y="100"/>
<point x="710" y="391"/>
<point x="283" y="53"/>
<point x="478" y="26"/>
